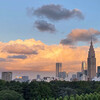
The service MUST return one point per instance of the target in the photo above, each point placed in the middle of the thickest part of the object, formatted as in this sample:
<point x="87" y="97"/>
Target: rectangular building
<point x="98" y="71"/>
<point x="7" y="76"/>
<point x="58" y="69"/>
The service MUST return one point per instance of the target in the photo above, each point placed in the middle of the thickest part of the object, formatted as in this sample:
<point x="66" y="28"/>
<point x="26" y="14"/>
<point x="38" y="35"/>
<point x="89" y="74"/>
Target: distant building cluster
<point x="88" y="72"/>
<point x="7" y="76"/>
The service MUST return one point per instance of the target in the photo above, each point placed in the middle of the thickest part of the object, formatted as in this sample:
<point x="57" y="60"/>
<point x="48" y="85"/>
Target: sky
<point x="35" y="34"/>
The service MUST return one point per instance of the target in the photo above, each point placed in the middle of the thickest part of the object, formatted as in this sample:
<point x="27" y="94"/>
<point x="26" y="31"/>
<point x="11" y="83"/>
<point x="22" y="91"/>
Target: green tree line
<point x="91" y="96"/>
<point x="49" y="91"/>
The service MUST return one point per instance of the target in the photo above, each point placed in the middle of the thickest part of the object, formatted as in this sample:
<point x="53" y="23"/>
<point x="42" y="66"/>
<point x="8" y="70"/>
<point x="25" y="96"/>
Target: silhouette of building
<point x="25" y="78"/>
<point x="58" y="69"/>
<point x="79" y="76"/>
<point x="74" y="77"/>
<point x="83" y="66"/>
<point x="98" y="71"/>
<point x="38" y="77"/>
<point x="91" y="60"/>
<point x="7" y="76"/>
<point x="62" y="75"/>
<point x="85" y="72"/>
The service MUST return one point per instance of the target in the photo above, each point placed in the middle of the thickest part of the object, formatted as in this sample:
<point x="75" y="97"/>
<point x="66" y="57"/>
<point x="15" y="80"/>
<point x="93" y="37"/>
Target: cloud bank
<point x="47" y="56"/>
<point x="18" y="56"/>
<point x="80" y="35"/>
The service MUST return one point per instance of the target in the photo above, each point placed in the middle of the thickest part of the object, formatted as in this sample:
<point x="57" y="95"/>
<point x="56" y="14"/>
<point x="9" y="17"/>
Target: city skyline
<point x="86" y="73"/>
<point x="34" y="35"/>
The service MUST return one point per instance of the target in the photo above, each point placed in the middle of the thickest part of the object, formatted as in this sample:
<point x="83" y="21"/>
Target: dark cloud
<point x="80" y="35"/>
<point x="43" y="26"/>
<point x="67" y="41"/>
<point x="5" y="60"/>
<point x="18" y="56"/>
<point x="2" y="59"/>
<point x="56" y="12"/>
<point x="19" y="49"/>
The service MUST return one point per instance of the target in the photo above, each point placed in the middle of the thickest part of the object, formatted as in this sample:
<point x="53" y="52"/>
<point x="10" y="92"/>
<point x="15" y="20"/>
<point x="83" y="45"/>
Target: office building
<point x="25" y="78"/>
<point x="83" y="66"/>
<point x="62" y="75"/>
<point x="38" y="77"/>
<point x="85" y="72"/>
<point x="7" y="76"/>
<point x="79" y="76"/>
<point x="98" y="71"/>
<point x="58" y="69"/>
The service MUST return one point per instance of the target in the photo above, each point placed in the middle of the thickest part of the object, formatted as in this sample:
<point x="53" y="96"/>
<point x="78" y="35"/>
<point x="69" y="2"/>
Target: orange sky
<point x="37" y="56"/>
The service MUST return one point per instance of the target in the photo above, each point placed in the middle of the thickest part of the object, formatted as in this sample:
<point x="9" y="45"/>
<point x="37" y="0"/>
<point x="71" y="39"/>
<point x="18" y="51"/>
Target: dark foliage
<point x="54" y="89"/>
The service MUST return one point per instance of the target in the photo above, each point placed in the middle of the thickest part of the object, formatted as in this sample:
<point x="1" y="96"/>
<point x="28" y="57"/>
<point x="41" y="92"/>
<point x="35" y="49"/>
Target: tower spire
<point x="91" y="62"/>
<point x="91" y="40"/>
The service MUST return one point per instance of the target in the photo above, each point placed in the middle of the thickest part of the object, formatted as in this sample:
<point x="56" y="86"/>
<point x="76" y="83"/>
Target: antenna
<point x="91" y="39"/>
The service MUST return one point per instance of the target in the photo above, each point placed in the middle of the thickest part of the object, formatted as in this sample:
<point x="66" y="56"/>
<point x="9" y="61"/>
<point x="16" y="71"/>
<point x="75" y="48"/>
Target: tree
<point x="94" y="97"/>
<point x="60" y="98"/>
<point x="10" y="95"/>
<point x="77" y="97"/>
<point x="86" y="98"/>
<point x="51" y="99"/>
<point x="65" y="98"/>
<point x="71" y="98"/>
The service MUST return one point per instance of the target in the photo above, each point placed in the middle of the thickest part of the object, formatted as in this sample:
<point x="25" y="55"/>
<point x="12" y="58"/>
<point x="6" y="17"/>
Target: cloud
<point x="18" y="56"/>
<point x="56" y="12"/>
<point x="71" y="57"/>
<point x="80" y="35"/>
<point x="43" y="26"/>
<point x="5" y="60"/>
<point x="19" y="49"/>
<point x="67" y="41"/>
<point x="2" y="59"/>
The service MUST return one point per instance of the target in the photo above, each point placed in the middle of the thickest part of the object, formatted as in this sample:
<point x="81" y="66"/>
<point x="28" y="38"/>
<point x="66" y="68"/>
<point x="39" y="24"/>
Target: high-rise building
<point x="74" y="77"/>
<point x="83" y="66"/>
<point x="79" y="75"/>
<point x="62" y="75"/>
<point x="25" y="78"/>
<point x="98" y="71"/>
<point x="58" y="69"/>
<point x="7" y="76"/>
<point x="85" y="72"/>
<point x="91" y="60"/>
<point x="38" y="77"/>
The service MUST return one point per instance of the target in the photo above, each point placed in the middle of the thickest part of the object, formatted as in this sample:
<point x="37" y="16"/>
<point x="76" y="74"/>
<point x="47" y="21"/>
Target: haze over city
<point x="34" y="35"/>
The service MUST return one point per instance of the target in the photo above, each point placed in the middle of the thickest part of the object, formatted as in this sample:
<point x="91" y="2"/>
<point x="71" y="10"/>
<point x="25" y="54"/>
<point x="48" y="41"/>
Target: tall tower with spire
<point x="91" y="60"/>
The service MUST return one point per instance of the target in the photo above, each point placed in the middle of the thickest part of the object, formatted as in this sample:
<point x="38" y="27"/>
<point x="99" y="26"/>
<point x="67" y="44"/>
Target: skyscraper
<point x="91" y="60"/>
<point x="79" y="75"/>
<point x="98" y="71"/>
<point x="7" y="76"/>
<point x="83" y="66"/>
<point x="25" y="79"/>
<point x="58" y="69"/>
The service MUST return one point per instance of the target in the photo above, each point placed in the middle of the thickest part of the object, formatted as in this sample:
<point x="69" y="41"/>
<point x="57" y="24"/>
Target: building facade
<point x="98" y="71"/>
<point x="58" y="69"/>
<point x="62" y="75"/>
<point x="79" y="76"/>
<point x="7" y="76"/>
<point x="25" y="78"/>
<point x="83" y="66"/>
<point x="91" y="61"/>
